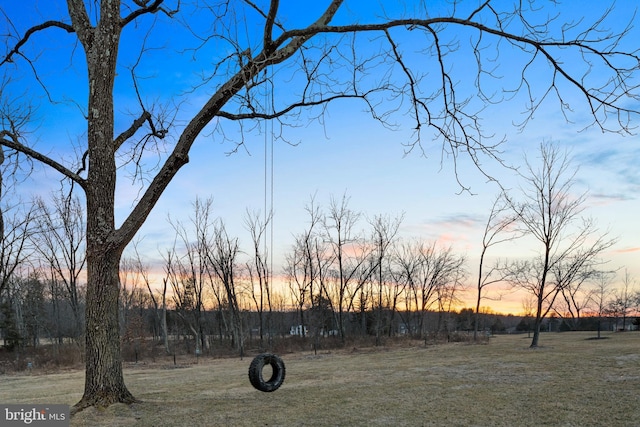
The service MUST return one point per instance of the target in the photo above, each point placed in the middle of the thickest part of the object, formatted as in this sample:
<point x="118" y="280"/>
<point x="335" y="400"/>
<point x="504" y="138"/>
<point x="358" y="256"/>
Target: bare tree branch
<point x="30" y="32"/>
<point x="145" y="7"/>
<point x="80" y="22"/>
<point x="10" y="141"/>
<point x="137" y="124"/>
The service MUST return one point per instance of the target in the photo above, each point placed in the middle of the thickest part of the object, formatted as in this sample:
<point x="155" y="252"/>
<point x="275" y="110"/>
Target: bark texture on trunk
<point x="536" y="334"/>
<point x="104" y="382"/>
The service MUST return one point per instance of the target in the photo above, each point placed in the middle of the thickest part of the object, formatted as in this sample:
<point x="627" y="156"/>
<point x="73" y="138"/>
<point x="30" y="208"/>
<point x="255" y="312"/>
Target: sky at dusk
<point x="348" y="153"/>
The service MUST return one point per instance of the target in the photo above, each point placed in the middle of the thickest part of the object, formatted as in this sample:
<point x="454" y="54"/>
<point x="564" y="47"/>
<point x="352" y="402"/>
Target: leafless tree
<point x="600" y="296"/>
<point x="574" y="273"/>
<point x="307" y="265"/>
<point x="384" y="234"/>
<point x="409" y="64"/>
<point x="496" y="231"/>
<point x="349" y="253"/>
<point x="551" y="213"/>
<point x="134" y="301"/>
<point x="528" y="303"/>
<point x="431" y="274"/>
<point x="448" y="295"/>
<point x="190" y="267"/>
<point x="259" y="271"/>
<point x="60" y="241"/>
<point x="360" y="293"/>
<point x="298" y="271"/>
<point x="184" y="294"/>
<point x="403" y="271"/>
<point x="622" y="303"/>
<point x="158" y="297"/>
<point x="222" y="259"/>
<point x="396" y="288"/>
<point x="16" y="229"/>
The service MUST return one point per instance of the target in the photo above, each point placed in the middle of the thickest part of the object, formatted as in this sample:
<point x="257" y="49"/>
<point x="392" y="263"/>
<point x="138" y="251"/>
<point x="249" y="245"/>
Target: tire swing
<point x="277" y="375"/>
<point x="264" y="359"/>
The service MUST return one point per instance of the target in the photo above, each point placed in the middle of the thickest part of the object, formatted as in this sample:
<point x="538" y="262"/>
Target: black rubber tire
<point x="277" y="376"/>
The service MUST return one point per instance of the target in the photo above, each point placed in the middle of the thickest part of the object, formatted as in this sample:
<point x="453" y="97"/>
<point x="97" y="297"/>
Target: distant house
<point x="298" y="330"/>
<point x="628" y="326"/>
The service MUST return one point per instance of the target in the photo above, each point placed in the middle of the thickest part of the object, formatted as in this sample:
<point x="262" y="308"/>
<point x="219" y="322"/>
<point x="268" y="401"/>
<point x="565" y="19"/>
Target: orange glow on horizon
<point x="494" y="301"/>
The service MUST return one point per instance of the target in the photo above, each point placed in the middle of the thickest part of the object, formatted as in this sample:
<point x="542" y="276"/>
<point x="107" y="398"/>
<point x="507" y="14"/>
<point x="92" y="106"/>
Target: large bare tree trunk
<point x="104" y="382"/>
<point x="537" y="325"/>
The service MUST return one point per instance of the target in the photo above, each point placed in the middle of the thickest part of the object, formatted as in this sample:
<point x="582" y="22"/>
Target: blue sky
<point x="348" y="154"/>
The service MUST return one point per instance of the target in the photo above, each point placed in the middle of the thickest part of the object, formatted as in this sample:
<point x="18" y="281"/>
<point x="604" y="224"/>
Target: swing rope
<point x="269" y="177"/>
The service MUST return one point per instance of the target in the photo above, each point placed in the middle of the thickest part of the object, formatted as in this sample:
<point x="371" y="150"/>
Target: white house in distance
<point x="297" y="330"/>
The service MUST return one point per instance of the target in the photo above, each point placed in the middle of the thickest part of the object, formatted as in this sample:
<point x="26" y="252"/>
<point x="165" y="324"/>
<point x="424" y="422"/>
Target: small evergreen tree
<point x="9" y="327"/>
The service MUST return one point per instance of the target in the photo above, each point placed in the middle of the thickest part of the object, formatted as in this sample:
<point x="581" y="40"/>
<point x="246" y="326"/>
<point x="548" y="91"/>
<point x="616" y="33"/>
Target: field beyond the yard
<point x="571" y="380"/>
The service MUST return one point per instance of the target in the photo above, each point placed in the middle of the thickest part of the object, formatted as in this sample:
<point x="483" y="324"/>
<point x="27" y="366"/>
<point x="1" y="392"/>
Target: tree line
<point x="345" y="275"/>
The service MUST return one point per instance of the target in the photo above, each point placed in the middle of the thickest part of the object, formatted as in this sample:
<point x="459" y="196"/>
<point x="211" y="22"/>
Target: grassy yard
<point x="570" y="381"/>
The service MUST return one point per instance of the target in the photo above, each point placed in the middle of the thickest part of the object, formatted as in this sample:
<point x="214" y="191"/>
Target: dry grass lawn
<point x="570" y="381"/>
